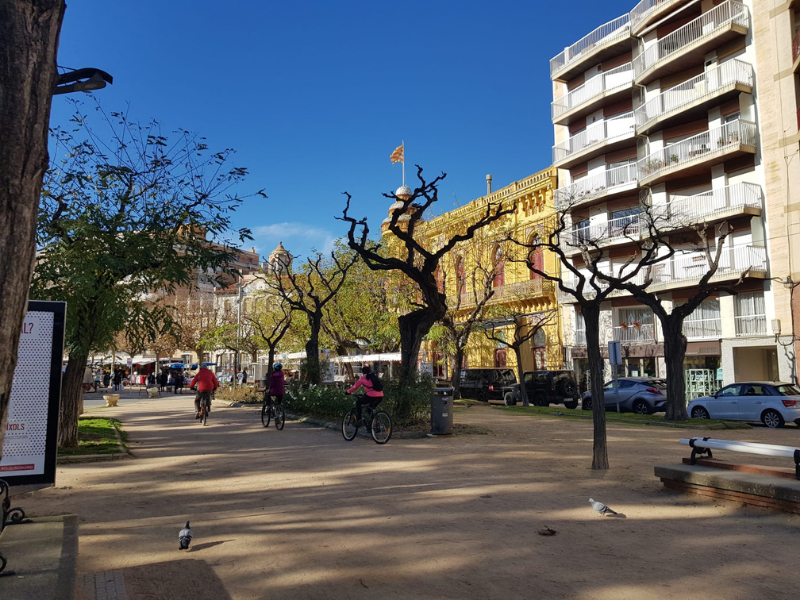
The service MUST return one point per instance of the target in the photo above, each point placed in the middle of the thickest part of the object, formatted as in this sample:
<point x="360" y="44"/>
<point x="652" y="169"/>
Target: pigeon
<point x="184" y="537"/>
<point x="601" y="508"/>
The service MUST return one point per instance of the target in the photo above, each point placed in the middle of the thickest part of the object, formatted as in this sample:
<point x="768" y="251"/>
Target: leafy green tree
<point x="126" y="212"/>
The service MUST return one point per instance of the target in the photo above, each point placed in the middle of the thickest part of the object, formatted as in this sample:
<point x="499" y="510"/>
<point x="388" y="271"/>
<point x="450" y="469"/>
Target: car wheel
<point x="508" y="399"/>
<point x="571" y="404"/>
<point x="698" y="412"/>
<point x="540" y="399"/>
<point x="640" y="407"/>
<point x="772" y="419"/>
<point x="587" y="403"/>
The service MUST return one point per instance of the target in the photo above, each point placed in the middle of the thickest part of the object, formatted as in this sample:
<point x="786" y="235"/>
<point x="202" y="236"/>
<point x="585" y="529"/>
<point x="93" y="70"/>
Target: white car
<point x="774" y="404"/>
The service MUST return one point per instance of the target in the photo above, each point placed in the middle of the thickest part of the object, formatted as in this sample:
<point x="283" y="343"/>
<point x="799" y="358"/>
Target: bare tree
<point x="194" y="314"/>
<point x="416" y="262"/>
<point x="29" y="36"/>
<point x="526" y="327"/>
<point x="270" y="321"/>
<point x="308" y="292"/>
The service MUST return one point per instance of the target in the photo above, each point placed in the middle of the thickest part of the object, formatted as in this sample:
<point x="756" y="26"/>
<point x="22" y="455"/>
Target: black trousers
<point x="197" y="398"/>
<point x="363" y="400"/>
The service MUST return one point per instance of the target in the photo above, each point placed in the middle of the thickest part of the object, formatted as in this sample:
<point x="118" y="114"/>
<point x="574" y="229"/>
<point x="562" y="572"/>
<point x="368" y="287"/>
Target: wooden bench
<point x="704" y="446"/>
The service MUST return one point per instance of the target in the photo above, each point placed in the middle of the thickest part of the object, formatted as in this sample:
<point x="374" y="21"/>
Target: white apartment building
<point x="660" y="107"/>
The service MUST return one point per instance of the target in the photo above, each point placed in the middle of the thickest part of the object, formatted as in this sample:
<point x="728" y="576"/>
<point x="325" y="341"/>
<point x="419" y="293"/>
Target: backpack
<point x="377" y="385"/>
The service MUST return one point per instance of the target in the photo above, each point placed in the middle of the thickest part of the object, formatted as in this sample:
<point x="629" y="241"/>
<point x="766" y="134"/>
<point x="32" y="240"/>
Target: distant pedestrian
<point x="106" y="379"/>
<point x="244" y="376"/>
<point x="117" y="379"/>
<point x="151" y="379"/>
<point x="178" y="382"/>
<point x="162" y="380"/>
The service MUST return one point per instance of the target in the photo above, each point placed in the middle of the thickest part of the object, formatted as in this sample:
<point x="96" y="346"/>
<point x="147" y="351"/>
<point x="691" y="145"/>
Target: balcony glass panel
<point x="705" y="25"/>
<point x="694" y="90"/>
<point x="614" y="79"/>
<point x="608" y="33"/>
<point x="607" y="130"/>
<point x="698" y="147"/>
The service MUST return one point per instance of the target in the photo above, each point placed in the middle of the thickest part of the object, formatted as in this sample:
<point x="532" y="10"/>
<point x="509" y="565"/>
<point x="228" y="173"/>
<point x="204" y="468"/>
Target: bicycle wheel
<point x="349" y="425"/>
<point x="204" y="418"/>
<point x="381" y="427"/>
<point x="280" y="417"/>
<point x="265" y="415"/>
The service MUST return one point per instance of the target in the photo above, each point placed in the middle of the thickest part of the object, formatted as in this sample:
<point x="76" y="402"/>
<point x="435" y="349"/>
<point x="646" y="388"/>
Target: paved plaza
<point x="300" y="513"/>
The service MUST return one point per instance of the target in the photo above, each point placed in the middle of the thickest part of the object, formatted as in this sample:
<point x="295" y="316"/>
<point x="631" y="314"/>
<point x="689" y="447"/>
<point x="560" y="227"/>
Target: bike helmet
<point x="365" y="369"/>
<point x="277" y="366"/>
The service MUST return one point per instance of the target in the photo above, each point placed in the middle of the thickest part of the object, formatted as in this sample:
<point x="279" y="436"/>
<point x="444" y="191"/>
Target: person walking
<point x="178" y="382"/>
<point x="162" y="380"/>
<point x="244" y="376"/>
<point x="117" y="379"/>
<point x="106" y="379"/>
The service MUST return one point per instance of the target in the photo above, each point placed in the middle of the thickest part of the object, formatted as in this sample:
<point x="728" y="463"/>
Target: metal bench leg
<point x="702" y="452"/>
<point x="797" y="464"/>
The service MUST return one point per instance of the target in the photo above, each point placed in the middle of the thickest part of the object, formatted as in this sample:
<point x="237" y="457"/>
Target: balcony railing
<point x="796" y="45"/>
<point x="643" y="10"/>
<point x="613" y="229"/>
<point x="595" y="185"/>
<point x="704" y="26"/>
<point x="703" y="329"/>
<point x="607" y="130"/>
<point x="699" y="147"/>
<point x="688" y="268"/>
<point x="696" y="89"/>
<point x="695" y="209"/>
<point x="612" y="31"/>
<point x="751" y="325"/>
<point x="630" y="334"/>
<point x="615" y="79"/>
<point x="504" y="293"/>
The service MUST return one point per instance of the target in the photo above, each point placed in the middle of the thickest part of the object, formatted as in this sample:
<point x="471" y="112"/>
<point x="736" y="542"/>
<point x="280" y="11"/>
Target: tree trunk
<point x="71" y="399"/>
<point x="413" y="327"/>
<point x="591" y="316"/>
<point x="674" y="353"/>
<point x="29" y="33"/>
<point x="455" y="376"/>
<point x="313" y="374"/>
<point x="523" y="393"/>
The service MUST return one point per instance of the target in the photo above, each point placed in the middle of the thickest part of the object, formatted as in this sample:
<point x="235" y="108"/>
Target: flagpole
<point x="404" y="162"/>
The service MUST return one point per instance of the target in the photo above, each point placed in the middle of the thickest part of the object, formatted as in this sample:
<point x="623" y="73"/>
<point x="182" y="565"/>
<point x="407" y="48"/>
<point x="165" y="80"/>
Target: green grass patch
<point x="624" y="418"/>
<point x="96" y="436"/>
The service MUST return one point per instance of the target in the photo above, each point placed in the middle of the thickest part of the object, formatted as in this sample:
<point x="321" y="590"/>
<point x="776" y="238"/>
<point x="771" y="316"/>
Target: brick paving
<point x="104" y="586"/>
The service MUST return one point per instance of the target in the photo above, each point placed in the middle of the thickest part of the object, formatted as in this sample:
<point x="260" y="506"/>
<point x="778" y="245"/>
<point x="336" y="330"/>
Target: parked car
<point x="772" y="403"/>
<point x="486" y="383"/>
<point x="545" y="388"/>
<point x="640" y="395"/>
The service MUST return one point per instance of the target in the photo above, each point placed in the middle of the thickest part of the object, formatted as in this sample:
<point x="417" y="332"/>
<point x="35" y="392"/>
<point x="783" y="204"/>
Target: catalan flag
<point x="397" y="155"/>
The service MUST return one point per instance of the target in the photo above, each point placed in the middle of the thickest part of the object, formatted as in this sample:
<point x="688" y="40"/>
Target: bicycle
<point x="205" y="406"/>
<point x="378" y="422"/>
<point x="271" y="410"/>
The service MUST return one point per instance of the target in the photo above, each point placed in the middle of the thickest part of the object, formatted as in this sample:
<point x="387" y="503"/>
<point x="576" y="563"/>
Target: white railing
<point x="613" y="229"/>
<point x="595" y="185"/>
<point x="705" y="25"/>
<point x="705" y="85"/>
<point x="631" y="333"/>
<point x="611" y="32"/>
<point x="751" y="325"/>
<point x="694" y="209"/>
<point x="607" y="130"/>
<point x="644" y="8"/>
<point x="699" y="147"/>
<point x="702" y="329"/>
<point x="614" y="79"/>
<point x="734" y="261"/>
<point x="580" y="337"/>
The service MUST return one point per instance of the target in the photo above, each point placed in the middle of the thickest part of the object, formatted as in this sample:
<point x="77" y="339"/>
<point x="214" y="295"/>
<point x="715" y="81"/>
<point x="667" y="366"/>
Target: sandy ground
<point x="300" y="513"/>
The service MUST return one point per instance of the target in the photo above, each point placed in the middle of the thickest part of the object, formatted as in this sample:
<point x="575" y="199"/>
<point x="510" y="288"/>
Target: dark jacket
<point x="117" y="378"/>
<point x="276" y="384"/>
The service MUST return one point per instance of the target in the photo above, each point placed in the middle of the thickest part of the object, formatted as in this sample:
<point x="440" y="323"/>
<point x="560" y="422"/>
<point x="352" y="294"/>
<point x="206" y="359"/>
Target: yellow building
<point x="488" y="261"/>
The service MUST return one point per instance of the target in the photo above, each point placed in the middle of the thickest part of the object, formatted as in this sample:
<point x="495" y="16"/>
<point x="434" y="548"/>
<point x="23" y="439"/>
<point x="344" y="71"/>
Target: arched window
<point x="499" y="268"/>
<point x="536" y="257"/>
<point x="539" y="352"/>
<point x="461" y="276"/>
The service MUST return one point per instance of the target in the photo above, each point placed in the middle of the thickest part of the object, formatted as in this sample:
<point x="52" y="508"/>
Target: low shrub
<point x="243" y="394"/>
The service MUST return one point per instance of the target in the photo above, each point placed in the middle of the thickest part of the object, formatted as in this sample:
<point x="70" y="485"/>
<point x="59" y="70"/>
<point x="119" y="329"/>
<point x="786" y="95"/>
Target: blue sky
<point x="315" y="95"/>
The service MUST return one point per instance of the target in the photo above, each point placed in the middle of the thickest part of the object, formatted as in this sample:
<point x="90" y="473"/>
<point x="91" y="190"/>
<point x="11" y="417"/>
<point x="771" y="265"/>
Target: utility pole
<point x="237" y="366"/>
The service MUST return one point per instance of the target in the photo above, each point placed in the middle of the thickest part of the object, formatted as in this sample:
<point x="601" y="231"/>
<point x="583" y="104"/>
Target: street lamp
<point x="82" y="80"/>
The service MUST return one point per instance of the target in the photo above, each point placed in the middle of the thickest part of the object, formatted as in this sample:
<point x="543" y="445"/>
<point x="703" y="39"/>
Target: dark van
<point x="486" y="383"/>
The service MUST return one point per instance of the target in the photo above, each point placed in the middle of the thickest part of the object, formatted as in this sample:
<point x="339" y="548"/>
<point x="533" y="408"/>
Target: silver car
<point x="640" y="395"/>
<point x="770" y="402"/>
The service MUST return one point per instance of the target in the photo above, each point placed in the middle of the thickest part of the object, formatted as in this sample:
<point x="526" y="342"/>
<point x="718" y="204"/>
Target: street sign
<point x="615" y="353"/>
<point x="130" y="362"/>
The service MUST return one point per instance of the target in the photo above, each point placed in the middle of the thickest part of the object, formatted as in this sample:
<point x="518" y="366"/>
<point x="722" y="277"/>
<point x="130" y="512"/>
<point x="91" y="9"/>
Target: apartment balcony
<point x="598" y="138"/>
<point x="607" y="88"/>
<point x="648" y="12"/>
<point x="614" y="231"/>
<point x="751" y="325"/>
<point x="523" y="290"/>
<point x="796" y="52"/>
<point x="716" y="205"/>
<point x="633" y="334"/>
<point x="696" y="154"/>
<point x="688" y="46"/>
<point x="608" y="184"/>
<point x="684" y="270"/>
<point x="702" y="329"/>
<point x="691" y="99"/>
<point x="606" y="41"/>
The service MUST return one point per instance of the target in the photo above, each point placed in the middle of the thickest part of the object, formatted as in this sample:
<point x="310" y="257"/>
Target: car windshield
<point x="787" y="390"/>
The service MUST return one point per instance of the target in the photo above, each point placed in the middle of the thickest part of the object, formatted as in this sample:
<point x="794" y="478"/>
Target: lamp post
<point x="236" y="366"/>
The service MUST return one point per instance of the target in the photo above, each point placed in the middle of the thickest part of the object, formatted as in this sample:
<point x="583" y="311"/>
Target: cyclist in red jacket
<point x="206" y="383"/>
